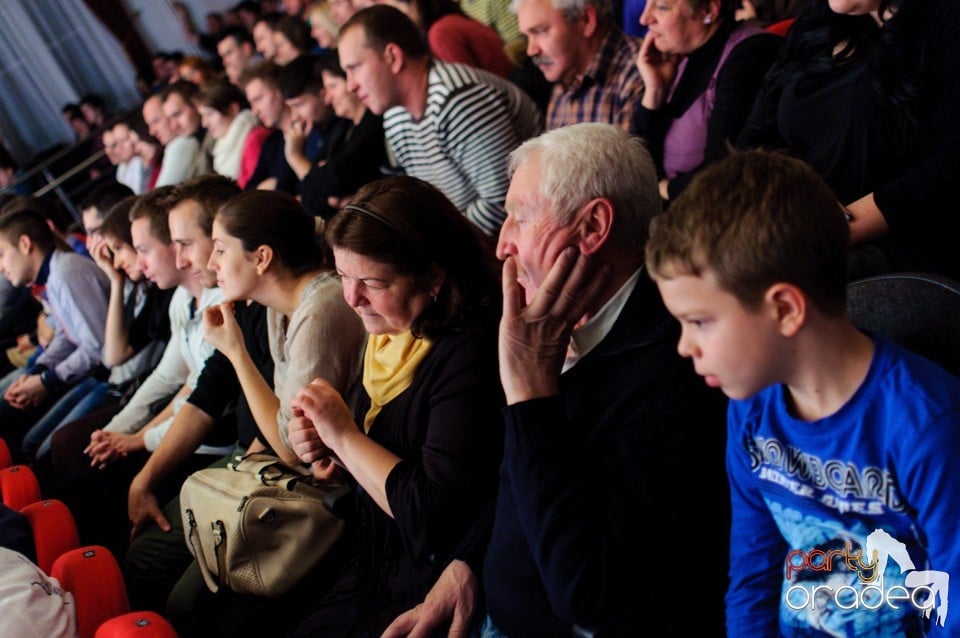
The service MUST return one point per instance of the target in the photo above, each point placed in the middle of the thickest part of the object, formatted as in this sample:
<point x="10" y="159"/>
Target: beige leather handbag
<point x="258" y="526"/>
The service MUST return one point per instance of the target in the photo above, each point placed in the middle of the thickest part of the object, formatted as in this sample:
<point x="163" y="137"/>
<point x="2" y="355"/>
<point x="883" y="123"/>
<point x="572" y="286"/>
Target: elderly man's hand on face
<point x="534" y="339"/>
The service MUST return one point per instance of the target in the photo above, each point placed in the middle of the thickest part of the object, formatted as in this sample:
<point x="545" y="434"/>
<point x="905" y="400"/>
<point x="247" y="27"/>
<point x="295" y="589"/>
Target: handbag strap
<point x="193" y="537"/>
<point x="268" y="468"/>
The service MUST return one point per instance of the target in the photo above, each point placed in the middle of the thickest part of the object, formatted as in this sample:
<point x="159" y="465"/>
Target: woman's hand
<point x="308" y="447"/>
<point x="323" y="406"/>
<point x="221" y="330"/>
<point x="104" y="259"/>
<point x="657" y="69"/>
<point x="304" y="440"/>
<point x="866" y="221"/>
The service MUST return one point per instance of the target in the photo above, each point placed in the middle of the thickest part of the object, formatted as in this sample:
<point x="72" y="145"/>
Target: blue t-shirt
<point x="812" y="500"/>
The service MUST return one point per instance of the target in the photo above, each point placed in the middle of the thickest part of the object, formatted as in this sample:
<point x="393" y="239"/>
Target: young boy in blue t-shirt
<point x="842" y="447"/>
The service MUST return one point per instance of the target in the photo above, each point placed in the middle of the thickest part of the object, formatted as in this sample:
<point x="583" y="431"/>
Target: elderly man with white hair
<point x="612" y="504"/>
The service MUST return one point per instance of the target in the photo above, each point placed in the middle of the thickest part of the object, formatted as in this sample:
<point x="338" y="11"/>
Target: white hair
<point x="573" y="8"/>
<point x="591" y="160"/>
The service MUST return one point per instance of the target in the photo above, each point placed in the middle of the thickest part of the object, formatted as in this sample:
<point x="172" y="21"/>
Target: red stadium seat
<point x="92" y="575"/>
<point x="19" y="487"/>
<point x="54" y="531"/>
<point x="137" y="624"/>
<point x="6" y="459"/>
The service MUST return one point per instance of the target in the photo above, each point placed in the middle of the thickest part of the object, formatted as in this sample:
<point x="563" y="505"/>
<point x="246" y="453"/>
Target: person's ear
<point x="712" y="13"/>
<point x="393" y="56"/>
<point x="263" y="257"/>
<point x="596" y="221"/>
<point x="590" y="21"/>
<point x="438" y="276"/>
<point x="25" y="244"/>
<point x="787" y="305"/>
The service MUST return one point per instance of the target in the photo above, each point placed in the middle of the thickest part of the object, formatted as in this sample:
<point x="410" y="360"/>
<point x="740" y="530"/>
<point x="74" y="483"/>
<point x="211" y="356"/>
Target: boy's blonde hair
<point x="754" y="219"/>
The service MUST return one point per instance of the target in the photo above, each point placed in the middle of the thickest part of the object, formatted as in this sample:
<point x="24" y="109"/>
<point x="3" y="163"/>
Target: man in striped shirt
<point x="449" y="124"/>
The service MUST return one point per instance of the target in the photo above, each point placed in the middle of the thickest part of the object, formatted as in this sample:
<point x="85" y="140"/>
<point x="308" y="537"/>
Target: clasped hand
<point x="25" y="392"/>
<point x="320" y="421"/>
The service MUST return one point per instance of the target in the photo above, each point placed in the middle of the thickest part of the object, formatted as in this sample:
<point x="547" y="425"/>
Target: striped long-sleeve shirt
<point x="473" y="120"/>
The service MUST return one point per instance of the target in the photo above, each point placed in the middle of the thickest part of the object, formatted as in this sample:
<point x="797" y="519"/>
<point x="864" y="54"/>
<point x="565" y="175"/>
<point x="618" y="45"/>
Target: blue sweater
<point x="887" y="460"/>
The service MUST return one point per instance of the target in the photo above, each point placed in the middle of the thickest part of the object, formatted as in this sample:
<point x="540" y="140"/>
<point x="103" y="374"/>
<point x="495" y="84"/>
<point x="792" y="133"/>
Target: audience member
<point x="76" y="292"/>
<point x="423" y="441"/>
<point x="262" y="32"/>
<point x="498" y="15"/>
<point x="10" y="175"/>
<point x="184" y="156"/>
<point x="148" y="149"/>
<point x="312" y="121"/>
<point x="225" y="116"/>
<point x="271" y="260"/>
<point x="752" y="260"/>
<point x="354" y="157"/>
<point x="342" y="10"/>
<point x="323" y="28"/>
<point x="295" y="8"/>
<point x="449" y="124"/>
<point x="236" y="52"/>
<point x="248" y="11"/>
<point x="690" y="114"/>
<point x="94" y="111"/>
<point x="31" y="602"/>
<point x="197" y="70"/>
<point x="866" y="93"/>
<point x="74" y="118"/>
<point x="131" y="171"/>
<point x="216" y="411"/>
<point x="591" y="61"/>
<point x="291" y="39"/>
<point x="600" y="408"/>
<point x="94" y="208"/>
<point x="124" y="445"/>
<point x="453" y="36"/>
<point x="135" y="333"/>
<point x="272" y="172"/>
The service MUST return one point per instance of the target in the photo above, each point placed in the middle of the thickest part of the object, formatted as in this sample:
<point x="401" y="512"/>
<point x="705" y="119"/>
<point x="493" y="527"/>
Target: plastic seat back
<point x="54" y="531"/>
<point x="19" y="486"/>
<point x="93" y="576"/>
<point x="916" y="310"/>
<point x="6" y="459"/>
<point x="137" y="624"/>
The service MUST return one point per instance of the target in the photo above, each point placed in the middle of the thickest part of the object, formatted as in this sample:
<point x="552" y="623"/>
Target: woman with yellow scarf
<point x="423" y="442"/>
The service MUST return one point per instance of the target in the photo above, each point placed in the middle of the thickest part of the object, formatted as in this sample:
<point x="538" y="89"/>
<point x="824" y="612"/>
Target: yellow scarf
<point x="389" y="364"/>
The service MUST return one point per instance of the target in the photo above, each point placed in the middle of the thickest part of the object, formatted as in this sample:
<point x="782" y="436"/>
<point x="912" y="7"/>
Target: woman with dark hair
<point x="224" y="113"/>
<point x="454" y="36"/>
<point x="291" y="39"/>
<point x="265" y="252"/>
<point x="701" y="72"/>
<point x="148" y="149"/>
<point x="355" y="153"/>
<point x="867" y="92"/>
<point x="424" y="439"/>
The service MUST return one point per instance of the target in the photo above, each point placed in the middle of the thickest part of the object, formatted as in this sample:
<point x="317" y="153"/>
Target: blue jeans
<point x="489" y="630"/>
<point x="80" y="400"/>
